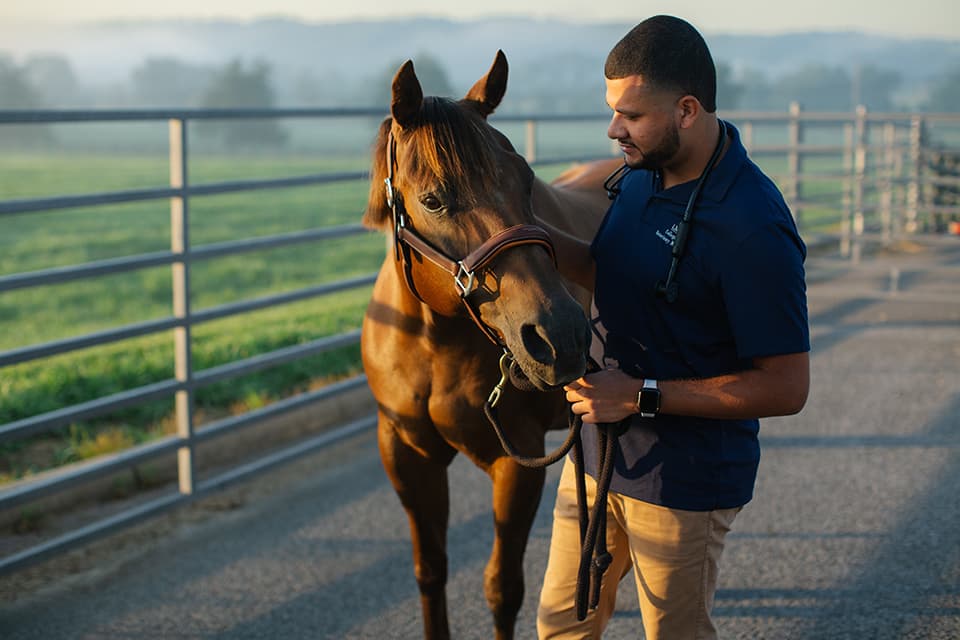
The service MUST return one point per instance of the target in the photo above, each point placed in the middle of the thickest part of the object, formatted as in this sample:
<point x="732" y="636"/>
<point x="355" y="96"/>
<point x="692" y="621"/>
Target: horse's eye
<point x="432" y="203"/>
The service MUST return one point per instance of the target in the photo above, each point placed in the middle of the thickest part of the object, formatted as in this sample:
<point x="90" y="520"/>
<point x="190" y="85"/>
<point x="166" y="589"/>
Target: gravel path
<point x="853" y="532"/>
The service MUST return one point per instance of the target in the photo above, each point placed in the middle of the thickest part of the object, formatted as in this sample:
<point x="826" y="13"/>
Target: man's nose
<point x="615" y="130"/>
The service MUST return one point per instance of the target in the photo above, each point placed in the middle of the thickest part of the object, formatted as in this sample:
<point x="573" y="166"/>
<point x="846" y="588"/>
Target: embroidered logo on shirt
<point x="669" y="235"/>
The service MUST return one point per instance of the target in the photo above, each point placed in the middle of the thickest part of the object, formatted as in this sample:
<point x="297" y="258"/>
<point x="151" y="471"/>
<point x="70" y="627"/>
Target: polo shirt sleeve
<point x="765" y="293"/>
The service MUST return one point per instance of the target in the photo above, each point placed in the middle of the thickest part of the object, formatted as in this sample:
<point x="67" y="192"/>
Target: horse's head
<point x="458" y="201"/>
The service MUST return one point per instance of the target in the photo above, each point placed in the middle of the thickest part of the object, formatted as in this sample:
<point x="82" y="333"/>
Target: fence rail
<point x="884" y="181"/>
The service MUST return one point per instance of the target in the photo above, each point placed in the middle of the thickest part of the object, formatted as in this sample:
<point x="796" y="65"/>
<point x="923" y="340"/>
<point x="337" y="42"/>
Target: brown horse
<point x="445" y="184"/>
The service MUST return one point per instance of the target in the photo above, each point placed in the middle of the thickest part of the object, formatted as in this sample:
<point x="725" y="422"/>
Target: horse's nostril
<point x="536" y="345"/>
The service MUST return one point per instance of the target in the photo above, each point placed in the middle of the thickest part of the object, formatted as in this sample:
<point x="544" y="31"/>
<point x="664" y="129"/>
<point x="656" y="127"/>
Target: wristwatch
<point x="648" y="400"/>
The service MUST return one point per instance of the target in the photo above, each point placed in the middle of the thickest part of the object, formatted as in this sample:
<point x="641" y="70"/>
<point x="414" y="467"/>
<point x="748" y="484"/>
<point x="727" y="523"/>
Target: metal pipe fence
<point x="881" y="178"/>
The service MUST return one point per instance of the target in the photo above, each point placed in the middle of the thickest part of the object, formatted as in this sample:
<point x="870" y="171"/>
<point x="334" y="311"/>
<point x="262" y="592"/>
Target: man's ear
<point x="689" y="111"/>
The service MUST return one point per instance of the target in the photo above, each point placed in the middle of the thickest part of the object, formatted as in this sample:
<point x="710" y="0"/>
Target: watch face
<point x="649" y="402"/>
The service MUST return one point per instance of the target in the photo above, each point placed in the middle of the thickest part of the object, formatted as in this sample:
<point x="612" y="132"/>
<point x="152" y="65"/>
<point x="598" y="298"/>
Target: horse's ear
<point x="407" y="96"/>
<point x="378" y="212"/>
<point x="489" y="90"/>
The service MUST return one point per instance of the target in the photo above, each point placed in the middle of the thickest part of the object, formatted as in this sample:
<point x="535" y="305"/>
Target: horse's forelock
<point x="455" y="146"/>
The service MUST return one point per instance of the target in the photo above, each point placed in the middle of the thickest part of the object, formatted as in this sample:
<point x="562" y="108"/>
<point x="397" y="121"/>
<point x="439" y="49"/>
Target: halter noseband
<point x="464" y="271"/>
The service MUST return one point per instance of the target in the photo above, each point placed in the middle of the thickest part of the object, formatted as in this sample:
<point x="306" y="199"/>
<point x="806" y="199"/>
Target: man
<point x="703" y="332"/>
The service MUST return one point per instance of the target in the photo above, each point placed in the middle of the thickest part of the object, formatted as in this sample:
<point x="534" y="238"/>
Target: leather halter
<point x="465" y="270"/>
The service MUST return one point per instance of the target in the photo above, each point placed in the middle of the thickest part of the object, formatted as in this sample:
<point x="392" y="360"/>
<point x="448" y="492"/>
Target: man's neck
<point x="692" y="165"/>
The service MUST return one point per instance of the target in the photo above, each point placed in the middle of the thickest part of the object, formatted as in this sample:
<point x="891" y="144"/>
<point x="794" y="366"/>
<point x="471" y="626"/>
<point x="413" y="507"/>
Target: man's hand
<point x="606" y="396"/>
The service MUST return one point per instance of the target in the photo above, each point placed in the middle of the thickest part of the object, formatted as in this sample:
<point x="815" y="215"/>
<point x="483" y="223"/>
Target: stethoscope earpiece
<point x="612" y="183"/>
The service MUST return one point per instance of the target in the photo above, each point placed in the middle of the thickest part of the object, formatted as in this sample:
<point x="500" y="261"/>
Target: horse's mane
<point x="450" y="142"/>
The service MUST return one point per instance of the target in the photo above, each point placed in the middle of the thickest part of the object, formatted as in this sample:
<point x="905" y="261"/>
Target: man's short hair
<point x="671" y="55"/>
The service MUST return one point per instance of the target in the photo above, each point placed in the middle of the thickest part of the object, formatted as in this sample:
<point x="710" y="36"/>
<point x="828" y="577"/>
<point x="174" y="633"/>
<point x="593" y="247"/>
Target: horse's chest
<point x="416" y="378"/>
<point x="456" y="391"/>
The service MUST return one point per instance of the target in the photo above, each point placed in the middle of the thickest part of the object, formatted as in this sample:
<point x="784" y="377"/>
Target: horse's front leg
<point x="421" y="483"/>
<point x="516" y="495"/>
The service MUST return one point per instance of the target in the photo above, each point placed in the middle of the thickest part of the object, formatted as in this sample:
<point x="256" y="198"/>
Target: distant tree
<point x="54" y="80"/>
<point x="326" y="88"/>
<point x="820" y="88"/>
<point x="168" y="82"/>
<point x="874" y="87"/>
<point x="235" y="86"/>
<point x="16" y="92"/>
<point x="574" y="85"/>
<point x="430" y="72"/>
<point x="757" y="91"/>
<point x="729" y="91"/>
<point x="817" y="87"/>
<point x="945" y="95"/>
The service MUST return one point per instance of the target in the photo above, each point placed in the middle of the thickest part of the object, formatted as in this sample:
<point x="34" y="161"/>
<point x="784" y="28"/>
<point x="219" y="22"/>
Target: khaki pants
<point x="675" y="557"/>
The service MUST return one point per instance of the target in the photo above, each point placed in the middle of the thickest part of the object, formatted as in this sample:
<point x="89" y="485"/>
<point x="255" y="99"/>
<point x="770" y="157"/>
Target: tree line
<point x="49" y="81"/>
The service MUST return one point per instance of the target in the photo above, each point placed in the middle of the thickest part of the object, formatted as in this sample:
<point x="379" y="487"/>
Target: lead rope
<point x="594" y="557"/>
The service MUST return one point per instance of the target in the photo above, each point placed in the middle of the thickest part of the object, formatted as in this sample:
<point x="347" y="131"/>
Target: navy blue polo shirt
<point x="742" y="294"/>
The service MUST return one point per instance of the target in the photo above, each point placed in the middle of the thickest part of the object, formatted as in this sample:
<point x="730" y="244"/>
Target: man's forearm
<point x="776" y="386"/>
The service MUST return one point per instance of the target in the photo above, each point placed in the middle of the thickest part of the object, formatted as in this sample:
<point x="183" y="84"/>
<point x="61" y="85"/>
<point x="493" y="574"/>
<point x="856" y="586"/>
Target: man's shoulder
<point x="755" y="199"/>
<point x="753" y="184"/>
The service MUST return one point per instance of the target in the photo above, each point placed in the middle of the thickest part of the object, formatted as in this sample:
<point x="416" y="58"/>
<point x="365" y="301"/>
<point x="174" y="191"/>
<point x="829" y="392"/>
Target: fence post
<point x="794" y="160"/>
<point x="847" y="203"/>
<point x="899" y="189"/>
<point x="913" y="185"/>
<point x="859" y="174"/>
<point x="531" y="141"/>
<point x="886" y="192"/>
<point x="180" y="246"/>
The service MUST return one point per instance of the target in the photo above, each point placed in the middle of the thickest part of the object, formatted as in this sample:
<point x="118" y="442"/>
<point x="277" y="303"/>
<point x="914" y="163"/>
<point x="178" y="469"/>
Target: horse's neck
<point x="576" y="201"/>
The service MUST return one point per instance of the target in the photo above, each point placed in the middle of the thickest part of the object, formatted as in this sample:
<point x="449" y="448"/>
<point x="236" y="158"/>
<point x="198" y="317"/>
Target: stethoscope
<point x="669" y="289"/>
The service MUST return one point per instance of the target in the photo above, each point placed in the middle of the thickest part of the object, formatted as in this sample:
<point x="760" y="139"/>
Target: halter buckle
<point x="389" y="189"/>
<point x="466" y="280"/>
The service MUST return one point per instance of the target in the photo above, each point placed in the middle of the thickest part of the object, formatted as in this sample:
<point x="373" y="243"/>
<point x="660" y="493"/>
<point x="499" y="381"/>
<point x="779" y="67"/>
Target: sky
<point x="905" y="18"/>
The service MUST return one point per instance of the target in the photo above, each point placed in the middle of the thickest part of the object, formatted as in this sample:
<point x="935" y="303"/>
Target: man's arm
<point x="776" y="386"/>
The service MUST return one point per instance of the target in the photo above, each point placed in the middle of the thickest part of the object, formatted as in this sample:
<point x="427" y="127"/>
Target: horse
<point x="469" y="280"/>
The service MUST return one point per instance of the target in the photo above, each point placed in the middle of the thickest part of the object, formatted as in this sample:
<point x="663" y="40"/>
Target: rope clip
<point x="505" y="360"/>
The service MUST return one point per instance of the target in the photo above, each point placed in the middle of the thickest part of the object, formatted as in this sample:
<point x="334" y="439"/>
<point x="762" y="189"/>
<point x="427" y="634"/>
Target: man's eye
<point x="431" y="202"/>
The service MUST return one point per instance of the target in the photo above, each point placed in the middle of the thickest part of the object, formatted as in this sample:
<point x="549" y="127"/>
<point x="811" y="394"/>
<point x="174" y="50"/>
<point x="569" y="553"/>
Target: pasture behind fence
<point x="848" y="178"/>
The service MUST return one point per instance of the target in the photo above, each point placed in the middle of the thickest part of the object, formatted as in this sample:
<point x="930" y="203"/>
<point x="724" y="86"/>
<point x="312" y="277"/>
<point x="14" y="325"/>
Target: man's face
<point x="643" y="123"/>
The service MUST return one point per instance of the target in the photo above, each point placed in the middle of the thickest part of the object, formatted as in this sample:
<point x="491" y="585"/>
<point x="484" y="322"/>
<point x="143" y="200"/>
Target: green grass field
<point x="62" y="238"/>
<point x="74" y="236"/>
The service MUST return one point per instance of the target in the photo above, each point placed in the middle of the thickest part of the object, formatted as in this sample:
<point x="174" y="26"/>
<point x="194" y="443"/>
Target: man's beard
<point x="660" y="155"/>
